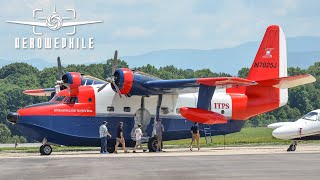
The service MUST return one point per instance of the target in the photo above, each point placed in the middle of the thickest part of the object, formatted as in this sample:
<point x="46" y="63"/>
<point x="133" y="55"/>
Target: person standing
<point x="159" y="131"/>
<point x="120" y="138"/>
<point x="195" y="135"/>
<point x="104" y="133"/>
<point x="138" y="133"/>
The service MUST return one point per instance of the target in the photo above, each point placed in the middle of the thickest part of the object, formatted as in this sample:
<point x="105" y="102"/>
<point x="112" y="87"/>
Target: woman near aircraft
<point x="195" y="135"/>
<point x="120" y="138"/>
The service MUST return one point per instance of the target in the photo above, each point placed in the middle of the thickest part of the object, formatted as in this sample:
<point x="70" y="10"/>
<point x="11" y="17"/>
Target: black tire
<point x="292" y="147"/>
<point x="45" y="150"/>
<point x="41" y="150"/>
<point x="110" y="149"/>
<point x="152" y="144"/>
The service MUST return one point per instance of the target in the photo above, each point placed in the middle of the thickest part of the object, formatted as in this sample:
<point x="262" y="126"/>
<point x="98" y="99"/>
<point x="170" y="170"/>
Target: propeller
<point x="59" y="83"/>
<point x="111" y="79"/>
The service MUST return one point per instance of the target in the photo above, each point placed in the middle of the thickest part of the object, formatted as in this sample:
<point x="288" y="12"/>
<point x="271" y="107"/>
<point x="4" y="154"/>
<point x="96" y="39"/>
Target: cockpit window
<point x="74" y="100"/>
<point x="71" y="100"/>
<point x="57" y="98"/>
<point x="312" y="116"/>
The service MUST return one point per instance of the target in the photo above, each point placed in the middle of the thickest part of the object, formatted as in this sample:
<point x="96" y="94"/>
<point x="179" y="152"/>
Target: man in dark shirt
<point x="195" y="135"/>
<point x="120" y="138"/>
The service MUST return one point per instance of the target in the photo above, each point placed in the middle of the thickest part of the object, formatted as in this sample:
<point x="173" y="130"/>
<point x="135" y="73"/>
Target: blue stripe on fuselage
<point x="84" y="130"/>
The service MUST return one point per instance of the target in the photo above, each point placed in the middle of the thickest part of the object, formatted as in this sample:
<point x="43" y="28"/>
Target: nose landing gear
<point x="292" y="146"/>
<point x="45" y="149"/>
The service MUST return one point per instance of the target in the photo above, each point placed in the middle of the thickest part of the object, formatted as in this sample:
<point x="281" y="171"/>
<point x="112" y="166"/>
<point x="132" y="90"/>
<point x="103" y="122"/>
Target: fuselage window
<point x="90" y="100"/>
<point x="165" y="110"/>
<point x="110" y="108"/>
<point x="126" y="109"/>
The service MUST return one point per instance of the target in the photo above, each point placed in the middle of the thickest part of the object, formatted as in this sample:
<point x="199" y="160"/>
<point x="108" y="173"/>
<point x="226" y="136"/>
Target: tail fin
<point x="271" y="59"/>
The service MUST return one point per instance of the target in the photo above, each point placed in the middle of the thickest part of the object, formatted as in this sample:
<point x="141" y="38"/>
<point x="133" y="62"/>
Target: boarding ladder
<point x="207" y="133"/>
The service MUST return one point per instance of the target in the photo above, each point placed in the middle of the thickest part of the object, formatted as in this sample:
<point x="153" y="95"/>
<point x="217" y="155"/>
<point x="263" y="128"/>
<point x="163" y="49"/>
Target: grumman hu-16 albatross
<point x="305" y="128"/>
<point x="81" y="103"/>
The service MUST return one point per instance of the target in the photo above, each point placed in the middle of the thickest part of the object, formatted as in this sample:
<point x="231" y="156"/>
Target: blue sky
<point x="139" y="26"/>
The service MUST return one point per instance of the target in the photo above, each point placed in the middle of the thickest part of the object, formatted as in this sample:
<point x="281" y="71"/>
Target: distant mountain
<point x="36" y="62"/>
<point x="302" y="52"/>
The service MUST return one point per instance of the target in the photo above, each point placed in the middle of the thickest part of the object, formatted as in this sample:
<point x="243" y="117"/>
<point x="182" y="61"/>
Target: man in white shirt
<point x="104" y="133"/>
<point x="138" y="133"/>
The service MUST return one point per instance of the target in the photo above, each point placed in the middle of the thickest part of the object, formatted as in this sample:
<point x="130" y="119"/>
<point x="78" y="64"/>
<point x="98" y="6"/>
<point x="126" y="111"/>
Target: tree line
<point x="16" y="77"/>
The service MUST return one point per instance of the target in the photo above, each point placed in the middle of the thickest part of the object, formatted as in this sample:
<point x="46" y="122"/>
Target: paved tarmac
<point x="207" y="164"/>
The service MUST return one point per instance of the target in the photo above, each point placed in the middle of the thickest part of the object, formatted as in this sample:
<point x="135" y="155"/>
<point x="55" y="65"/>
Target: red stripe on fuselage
<point x="83" y="108"/>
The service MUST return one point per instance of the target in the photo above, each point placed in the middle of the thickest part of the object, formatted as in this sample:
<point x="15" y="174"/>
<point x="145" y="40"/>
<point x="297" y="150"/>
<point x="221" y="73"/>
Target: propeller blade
<point x="103" y="86"/>
<point x="115" y="62"/>
<point x="117" y="89"/>
<point x="59" y="68"/>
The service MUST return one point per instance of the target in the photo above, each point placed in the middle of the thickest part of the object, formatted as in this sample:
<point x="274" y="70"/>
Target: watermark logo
<point x="54" y="22"/>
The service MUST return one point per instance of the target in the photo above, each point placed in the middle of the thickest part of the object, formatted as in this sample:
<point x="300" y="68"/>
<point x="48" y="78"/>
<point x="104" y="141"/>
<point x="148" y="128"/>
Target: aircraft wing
<point x="39" y="92"/>
<point x="288" y="82"/>
<point x="180" y="84"/>
<point x="41" y="24"/>
<point x="67" y="24"/>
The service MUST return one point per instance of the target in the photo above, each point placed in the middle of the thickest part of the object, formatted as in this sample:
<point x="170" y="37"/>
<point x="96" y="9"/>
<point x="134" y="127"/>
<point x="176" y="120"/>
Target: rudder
<point x="271" y="59"/>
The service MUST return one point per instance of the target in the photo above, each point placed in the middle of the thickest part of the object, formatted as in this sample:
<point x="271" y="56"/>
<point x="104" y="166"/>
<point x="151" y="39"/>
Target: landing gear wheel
<point x="110" y="149"/>
<point x="292" y="146"/>
<point x="45" y="149"/>
<point x="152" y="144"/>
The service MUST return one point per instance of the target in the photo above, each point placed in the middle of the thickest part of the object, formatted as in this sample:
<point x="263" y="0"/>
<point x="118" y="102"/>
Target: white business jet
<point x="305" y="128"/>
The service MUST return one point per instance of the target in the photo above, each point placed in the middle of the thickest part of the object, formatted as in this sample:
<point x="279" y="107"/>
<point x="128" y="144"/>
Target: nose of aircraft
<point x="285" y="133"/>
<point x="13" y="117"/>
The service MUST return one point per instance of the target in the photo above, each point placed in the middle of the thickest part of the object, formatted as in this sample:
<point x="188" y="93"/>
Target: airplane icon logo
<point x="268" y="53"/>
<point x="54" y="21"/>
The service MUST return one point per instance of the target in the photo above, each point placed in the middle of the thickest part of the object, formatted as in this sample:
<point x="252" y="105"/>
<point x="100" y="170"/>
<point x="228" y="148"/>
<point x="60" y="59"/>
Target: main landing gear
<point x="292" y="146"/>
<point x="152" y="144"/>
<point x="45" y="149"/>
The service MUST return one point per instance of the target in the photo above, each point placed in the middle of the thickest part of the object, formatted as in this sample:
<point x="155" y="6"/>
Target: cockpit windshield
<point x="312" y="116"/>
<point x="57" y="98"/>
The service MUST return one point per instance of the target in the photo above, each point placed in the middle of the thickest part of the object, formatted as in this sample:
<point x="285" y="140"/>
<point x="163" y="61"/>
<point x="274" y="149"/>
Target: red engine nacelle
<point x="202" y="116"/>
<point x="73" y="81"/>
<point x="131" y="82"/>
<point x="123" y="78"/>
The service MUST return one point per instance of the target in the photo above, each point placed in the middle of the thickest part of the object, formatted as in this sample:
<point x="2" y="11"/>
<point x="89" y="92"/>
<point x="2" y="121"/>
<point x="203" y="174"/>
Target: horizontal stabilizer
<point x="226" y="81"/>
<point x="39" y="92"/>
<point x="288" y="82"/>
<point x="202" y="116"/>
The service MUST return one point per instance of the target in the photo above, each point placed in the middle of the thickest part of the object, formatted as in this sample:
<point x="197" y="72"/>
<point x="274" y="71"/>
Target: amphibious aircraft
<point x="305" y="128"/>
<point x="81" y="103"/>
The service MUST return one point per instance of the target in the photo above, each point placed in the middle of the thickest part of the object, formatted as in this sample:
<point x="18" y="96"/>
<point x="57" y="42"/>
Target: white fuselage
<point x="220" y="103"/>
<point x="308" y="125"/>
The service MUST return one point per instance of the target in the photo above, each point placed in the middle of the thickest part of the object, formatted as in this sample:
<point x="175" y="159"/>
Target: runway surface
<point x="268" y="163"/>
